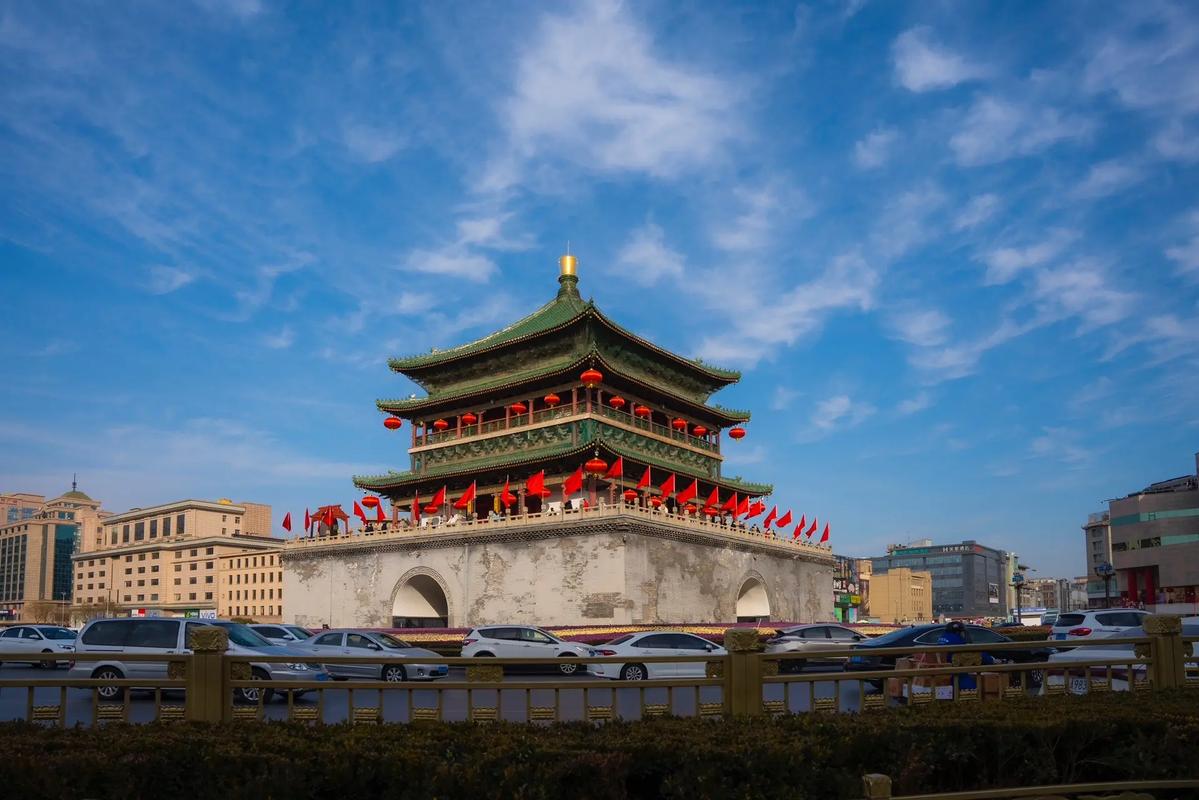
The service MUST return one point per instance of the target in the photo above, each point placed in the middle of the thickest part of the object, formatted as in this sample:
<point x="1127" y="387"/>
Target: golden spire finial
<point x="568" y="264"/>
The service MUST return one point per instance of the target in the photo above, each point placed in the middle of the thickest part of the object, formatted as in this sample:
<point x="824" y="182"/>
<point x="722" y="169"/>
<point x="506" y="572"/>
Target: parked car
<point x="862" y="661"/>
<point x="1124" y="654"/>
<point x="634" y="646"/>
<point x="354" y="641"/>
<point x="1097" y="623"/>
<point x="165" y="636"/>
<point x="27" y="639"/>
<point x="815" y="636"/>
<point x="523" y="641"/>
<point x="282" y="634"/>
<point x="1050" y="617"/>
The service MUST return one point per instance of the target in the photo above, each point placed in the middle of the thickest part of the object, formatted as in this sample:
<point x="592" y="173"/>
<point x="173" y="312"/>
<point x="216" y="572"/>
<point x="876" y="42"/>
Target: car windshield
<point x="387" y="640"/>
<point x="621" y="639"/>
<point x="890" y="638"/>
<point x="299" y="633"/>
<point x="244" y="635"/>
<point x="57" y="633"/>
<point x="547" y="633"/>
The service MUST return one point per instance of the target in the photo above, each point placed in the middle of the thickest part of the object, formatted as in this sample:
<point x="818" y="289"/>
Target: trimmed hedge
<point x="939" y="747"/>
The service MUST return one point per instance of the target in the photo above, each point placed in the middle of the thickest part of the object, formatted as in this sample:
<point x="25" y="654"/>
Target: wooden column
<point x="530" y="411"/>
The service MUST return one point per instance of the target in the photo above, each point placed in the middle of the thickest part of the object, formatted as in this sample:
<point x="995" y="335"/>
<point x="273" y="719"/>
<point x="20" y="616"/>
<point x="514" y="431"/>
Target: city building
<point x="1097" y="534"/>
<point x="1155" y="546"/>
<point x="251" y="586"/>
<point x="851" y="588"/>
<point x="512" y="508"/>
<point x="163" y="560"/>
<point x="16" y="506"/>
<point x="967" y="578"/>
<point x="901" y="595"/>
<point x="36" y="550"/>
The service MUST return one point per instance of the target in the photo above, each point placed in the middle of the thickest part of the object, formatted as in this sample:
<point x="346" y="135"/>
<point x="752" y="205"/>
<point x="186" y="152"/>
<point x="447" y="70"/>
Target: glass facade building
<point x="969" y="579"/>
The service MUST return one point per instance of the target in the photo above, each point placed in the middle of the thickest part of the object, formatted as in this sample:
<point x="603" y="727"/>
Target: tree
<point x="39" y="611"/>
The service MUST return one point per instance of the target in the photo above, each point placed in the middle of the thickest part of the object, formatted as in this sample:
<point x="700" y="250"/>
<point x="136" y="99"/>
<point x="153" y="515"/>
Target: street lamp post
<point x="1017" y="582"/>
<point x="1106" y="571"/>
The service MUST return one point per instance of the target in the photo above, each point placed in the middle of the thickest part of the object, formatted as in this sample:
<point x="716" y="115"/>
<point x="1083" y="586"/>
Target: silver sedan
<point x="359" y="642"/>
<point x="805" y="638"/>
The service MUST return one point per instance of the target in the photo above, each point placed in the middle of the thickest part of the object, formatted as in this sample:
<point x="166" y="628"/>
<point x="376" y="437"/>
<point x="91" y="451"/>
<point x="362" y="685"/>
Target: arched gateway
<point x="420" y="601"/>
<point x="753" y="604"/>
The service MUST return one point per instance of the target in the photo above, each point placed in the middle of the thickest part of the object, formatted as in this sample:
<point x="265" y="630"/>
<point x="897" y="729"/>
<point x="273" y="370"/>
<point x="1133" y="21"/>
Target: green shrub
<point x="939" y="747"/>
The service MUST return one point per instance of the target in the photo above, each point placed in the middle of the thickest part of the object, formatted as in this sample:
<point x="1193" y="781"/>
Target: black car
<point x="862" y="661"/>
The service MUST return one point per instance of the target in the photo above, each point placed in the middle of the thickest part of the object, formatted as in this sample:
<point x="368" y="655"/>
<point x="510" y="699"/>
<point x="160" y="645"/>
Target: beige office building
<point x="37" y="542"/>
<point x="251" y="586"/>
<point x="900" y="596"/>
<point x="164" y="560"/>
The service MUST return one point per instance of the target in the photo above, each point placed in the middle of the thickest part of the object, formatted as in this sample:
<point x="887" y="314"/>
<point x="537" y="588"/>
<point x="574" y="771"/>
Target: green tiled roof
<point x="395" y="480"/>
<point x="559" y="312"/>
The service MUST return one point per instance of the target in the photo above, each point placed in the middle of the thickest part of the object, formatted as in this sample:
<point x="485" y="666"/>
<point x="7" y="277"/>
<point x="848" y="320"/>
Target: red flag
<point x="358" y="512"/>
<point x="824" y="536"/>
<point x="689" y="493"/>
<point x="644" y="482"/>
<point x="667" y="486"/>
<point x="329" y="519"/>
<point x="379" y="515"/>
<point x="287" y="522"/>
<point x="743" y="506"/>
<point x="307" y="520"/>
<point x="730" y="504"/>
<point x="617" y="468"/>
<point x="438" y="499"/>
<point x="573" y="484"/>
<point x="798" y="530"/>
<point x="755" y="508"/>
<point x="466" y="499"/>
<point x="535" y="485"/>
<point x="416" y="508"/>
<point x="774" y="512"/>
<point x="812" y="529"/>
<point x="783" y="521"/>
<point x="713" y="499"/>
<point x="803" y="521"/>
<point x="506" y="497"/>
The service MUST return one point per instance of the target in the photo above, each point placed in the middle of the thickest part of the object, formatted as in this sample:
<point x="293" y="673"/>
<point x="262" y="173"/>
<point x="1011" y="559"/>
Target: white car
<point x="1095" y="623"/>
<point x="364" y="642"/>
<point x="523" y="641"/>
<point x="1120" y="656"/>
<point x="634" y="646"/>
<point x="282" y="634"/>
<point x="26" y="639"/>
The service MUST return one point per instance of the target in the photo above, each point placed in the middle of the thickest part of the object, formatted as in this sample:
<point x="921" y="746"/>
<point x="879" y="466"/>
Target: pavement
<point x="395" y="703"/>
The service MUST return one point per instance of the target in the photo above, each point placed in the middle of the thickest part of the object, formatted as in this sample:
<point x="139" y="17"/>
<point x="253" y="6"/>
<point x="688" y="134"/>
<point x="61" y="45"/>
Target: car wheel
<point x="250" y="694"/>
<point x="109" y="692"/>
<point x="568" y="666"/>
<point x="394" y="673"/>
<point x="45" y="664"/>
<point x="633" y="672"/>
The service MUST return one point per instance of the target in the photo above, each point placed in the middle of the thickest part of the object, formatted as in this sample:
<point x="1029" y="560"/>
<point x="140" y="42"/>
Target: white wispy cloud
<point x="996" y="129"/>
<point x="281" y="340"/>
<point x="1062" y="445"/>
<point x="243" y="9"/>
<point x="369" y="143"/>
<point x="164" y="280"/>
<point x="1177" y="143"/>
<point x="646" y="259"/>
<point x="1108" y="177"/>
<point x="1186" y="255"/>
<point x="914" y="404"/>
<point x="782" y="397"/>
<point x="1005" y="263"/>
<point x="1081" y="289"/>
<point x="960" y="359"/>
<point x="838" y="412"/>
<point x="751" y="218"/>
<point x="924" y="327"/>
<point x="980" y="209"/>
<point x="454" y="260"/>
<point x="874" y="149"/>
<point x="1146" y="58"/>
<point x="922" y="64"/>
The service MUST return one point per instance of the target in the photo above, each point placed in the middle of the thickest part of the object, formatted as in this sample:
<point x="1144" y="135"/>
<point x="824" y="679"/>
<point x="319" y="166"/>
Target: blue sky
<point x="953" y="248"/>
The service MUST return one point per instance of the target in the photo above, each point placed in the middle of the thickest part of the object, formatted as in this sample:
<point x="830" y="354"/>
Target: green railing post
<point x="745" y="672"/>
<point x="1167" y="667"/>
<point x="207" y="695"/>
<point x="876" y="787"/>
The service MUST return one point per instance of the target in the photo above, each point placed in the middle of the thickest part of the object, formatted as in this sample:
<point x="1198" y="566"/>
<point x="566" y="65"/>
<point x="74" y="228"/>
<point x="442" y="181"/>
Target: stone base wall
<point x="609" y="577"/>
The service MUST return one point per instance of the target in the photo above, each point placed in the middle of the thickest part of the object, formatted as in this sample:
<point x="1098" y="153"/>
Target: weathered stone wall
<point x="611" y="577"/>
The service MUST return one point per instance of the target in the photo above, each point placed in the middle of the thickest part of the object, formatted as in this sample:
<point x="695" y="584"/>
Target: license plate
<point x="1059" y="636"/>
<point x="1078" y="685"/>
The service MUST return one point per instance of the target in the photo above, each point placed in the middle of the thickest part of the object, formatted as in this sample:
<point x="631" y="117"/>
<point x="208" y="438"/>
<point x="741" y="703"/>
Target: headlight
<point x="297" y="667"/>
<point x="66" y="647"/>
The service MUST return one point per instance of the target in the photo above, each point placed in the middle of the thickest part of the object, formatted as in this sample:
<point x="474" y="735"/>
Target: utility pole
<point x="1106" y="571"/>
<point x="1017" y="583"/>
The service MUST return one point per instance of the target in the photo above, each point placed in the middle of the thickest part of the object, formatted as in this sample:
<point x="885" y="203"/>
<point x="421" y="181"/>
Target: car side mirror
<point x="709" y="647"/>
<point x="857" y="637"/>
<point x="374" y="646"/>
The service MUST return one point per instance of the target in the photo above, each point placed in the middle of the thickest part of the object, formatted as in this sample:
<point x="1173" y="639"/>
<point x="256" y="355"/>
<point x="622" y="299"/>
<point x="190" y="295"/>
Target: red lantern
<point x="469" y="418"/>
<point x="518" y="407"/>
<point x="679" y="424"/>
<point x="617" y="402"/>
<point x="699" y="430"/>
<point x="440" y="425"/>
<point x="630" y="495"/>
<point x="596" y="466"/>
<point x="690" y="509"/>
<point x="591" y="377"/>
<point x="552" y="399"/>
<point x="737" y="433"/>
<point x="393" y="423"/>
<point x="370" y="501"/>
<point x="656" y="502"/>
<point x="642" y="411"/>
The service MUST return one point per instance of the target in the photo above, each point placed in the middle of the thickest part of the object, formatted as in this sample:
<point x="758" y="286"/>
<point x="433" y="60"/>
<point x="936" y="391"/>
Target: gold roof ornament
<point x="569" y="265"/>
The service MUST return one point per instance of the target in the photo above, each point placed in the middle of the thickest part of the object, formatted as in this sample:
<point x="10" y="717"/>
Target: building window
<point x="166" y="526"/>
<point x="191" y="596"/>
<point x="178" y="581"/>
<point x="153" y="529"/>
<point x="208" y="579"/>
<point x="191" y="580"/>
<point x="208" y="595"/>
<point x="207" y="565"/>
<point x="153" y="597"/>
<point x="194" y="552"/>
<point x="179" y="524"/>
<point x="124" y="534"/>
<point x="178" y="567"/>
<point x="208" y="552"/>
<point x="139" y="531"/>
<point x="192" y="566"/>
<point x="154" y="568"/>
<point x="141" y="556"/>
